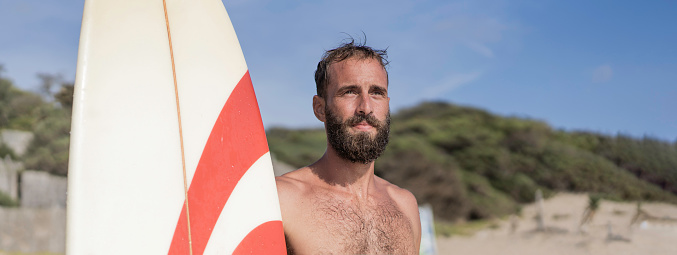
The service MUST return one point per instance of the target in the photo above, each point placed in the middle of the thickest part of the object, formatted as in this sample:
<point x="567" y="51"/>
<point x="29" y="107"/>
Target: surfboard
<point x="168" y="152"/>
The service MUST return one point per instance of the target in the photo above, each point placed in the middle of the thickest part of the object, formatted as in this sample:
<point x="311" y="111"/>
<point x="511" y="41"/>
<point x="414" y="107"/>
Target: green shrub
<point x="7" y="201"/>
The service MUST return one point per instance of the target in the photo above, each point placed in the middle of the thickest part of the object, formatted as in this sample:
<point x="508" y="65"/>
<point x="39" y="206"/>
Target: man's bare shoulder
<point x="401" y="196"/>
<point x="406" y="201"/>
<point x="295" y="187"/>
<point x="293" y="182"/>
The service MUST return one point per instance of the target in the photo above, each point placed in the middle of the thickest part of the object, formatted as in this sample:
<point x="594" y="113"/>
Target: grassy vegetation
<point x="447" y="229"/>
<point x="470" y="164"/>
<point x="301" y="147"/>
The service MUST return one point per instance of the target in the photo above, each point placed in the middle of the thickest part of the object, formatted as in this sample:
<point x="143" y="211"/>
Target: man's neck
<point x="353" y="177"/>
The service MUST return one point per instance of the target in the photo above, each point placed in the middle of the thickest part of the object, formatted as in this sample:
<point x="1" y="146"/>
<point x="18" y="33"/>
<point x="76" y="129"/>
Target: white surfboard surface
<point x="168" y="152"/>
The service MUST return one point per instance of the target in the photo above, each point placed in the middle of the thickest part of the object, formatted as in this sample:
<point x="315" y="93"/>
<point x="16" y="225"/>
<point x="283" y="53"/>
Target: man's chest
<point x="343" y="228"/>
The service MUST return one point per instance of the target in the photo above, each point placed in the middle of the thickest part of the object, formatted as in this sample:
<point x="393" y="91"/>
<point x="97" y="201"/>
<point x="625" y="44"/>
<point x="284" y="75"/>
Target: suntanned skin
<point x="334" y="206"/>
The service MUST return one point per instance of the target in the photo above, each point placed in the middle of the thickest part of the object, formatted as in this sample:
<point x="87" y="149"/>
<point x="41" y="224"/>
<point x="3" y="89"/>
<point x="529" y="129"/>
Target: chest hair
<point x="371" y="228"/>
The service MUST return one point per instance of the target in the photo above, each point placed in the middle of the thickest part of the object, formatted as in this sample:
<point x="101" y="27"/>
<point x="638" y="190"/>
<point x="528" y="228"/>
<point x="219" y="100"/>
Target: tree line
<point x="46" y="113"/>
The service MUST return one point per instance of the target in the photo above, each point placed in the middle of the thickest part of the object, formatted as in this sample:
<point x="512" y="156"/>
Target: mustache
<point x="369" y="118"/>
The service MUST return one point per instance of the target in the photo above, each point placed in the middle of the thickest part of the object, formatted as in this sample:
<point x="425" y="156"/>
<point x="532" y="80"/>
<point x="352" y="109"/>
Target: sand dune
<point x="563" y="214"/>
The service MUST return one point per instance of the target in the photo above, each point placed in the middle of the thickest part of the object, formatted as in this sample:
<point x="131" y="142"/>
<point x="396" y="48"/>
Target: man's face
<point x="357" y="115"/>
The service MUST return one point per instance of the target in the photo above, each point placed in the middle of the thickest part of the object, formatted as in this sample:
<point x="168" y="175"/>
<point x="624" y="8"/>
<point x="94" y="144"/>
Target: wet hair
<point x="341" y="53"/>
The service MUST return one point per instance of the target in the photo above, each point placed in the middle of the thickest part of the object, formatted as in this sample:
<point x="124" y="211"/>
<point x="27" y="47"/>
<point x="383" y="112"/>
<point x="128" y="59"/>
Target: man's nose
<point x="364" y="104"/>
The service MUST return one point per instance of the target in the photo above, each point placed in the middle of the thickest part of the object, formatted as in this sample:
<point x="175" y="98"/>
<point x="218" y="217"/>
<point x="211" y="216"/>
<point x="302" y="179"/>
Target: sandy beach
<point x="610" y="231"/>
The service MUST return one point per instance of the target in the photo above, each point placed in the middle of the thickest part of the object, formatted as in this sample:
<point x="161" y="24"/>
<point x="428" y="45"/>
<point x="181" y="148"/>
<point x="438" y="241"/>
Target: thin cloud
<point x="481" y="49"/>
<point x="425" y="40"/>
<point x="449" y="84"/>
<point x="602" y="74"/>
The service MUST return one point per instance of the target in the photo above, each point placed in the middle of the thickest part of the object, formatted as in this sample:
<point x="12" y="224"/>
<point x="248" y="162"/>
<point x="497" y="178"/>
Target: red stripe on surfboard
<point x="237" y="140"/>
<point x="263" y="240"/>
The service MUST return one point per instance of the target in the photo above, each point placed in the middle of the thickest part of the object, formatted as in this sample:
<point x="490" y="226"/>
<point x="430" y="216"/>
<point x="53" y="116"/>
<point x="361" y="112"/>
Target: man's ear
<point x="318" y="108"/>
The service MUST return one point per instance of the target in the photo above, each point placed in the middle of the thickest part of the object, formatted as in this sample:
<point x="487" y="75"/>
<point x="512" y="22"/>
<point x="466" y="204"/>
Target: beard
<point x="360" y="147"/>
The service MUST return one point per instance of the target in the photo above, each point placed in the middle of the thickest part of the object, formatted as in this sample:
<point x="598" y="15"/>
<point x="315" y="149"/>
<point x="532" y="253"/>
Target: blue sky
<point x="601" y="66"/>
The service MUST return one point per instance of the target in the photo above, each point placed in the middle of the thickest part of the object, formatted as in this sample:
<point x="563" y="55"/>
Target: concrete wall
<point x="16" y="140"/>
<point x="31" y="230"/>
<point x="9" y="177"/>
<point x="39" y="225"/>
<point x="41" y="189"/>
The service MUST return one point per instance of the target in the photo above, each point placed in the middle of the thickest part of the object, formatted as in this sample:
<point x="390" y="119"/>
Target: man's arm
<point x="288" y="192"/>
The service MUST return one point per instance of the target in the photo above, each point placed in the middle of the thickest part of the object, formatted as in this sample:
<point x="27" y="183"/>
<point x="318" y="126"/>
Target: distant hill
<point x="471" y="164"/>
<point x="466" y="162"/>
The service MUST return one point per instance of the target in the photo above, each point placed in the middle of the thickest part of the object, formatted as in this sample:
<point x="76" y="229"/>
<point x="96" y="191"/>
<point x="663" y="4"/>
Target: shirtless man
<point x="337" y="205"/>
